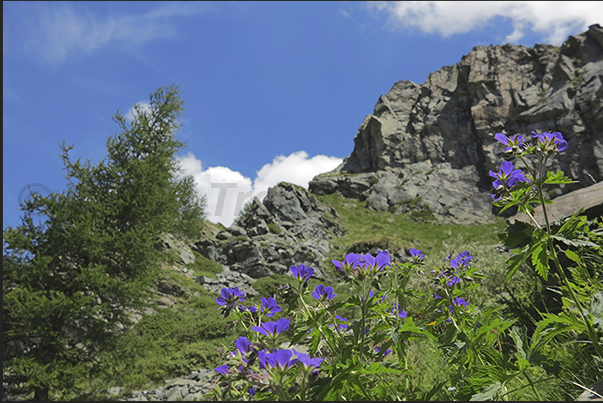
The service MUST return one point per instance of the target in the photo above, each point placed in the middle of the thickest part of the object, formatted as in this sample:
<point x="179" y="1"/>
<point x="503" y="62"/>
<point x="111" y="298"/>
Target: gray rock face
<point x="290" y="227"/>
<point x="450" y="121"/>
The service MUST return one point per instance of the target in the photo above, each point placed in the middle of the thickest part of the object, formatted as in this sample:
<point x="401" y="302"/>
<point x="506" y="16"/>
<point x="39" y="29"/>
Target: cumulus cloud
<point x="227" y="191"/>
<point x="141" y="106"/>
<point x="556" y="20"/>
<point x="53" y="32"/>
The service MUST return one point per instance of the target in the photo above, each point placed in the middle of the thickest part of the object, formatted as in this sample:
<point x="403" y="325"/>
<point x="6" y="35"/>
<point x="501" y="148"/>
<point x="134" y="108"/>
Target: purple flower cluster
<point x="366" y="261"/>
<point x="277" y="359"/>
<point x="457" y="302"/>
<point x="507" y="177"/>
<point x="551" y="141"/>
<point x="342" y="326"/>
<point x="301" y="272"/>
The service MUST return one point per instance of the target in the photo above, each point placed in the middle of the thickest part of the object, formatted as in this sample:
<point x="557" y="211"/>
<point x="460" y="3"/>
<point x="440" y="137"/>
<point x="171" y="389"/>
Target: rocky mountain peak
<point x="434" y="142"/>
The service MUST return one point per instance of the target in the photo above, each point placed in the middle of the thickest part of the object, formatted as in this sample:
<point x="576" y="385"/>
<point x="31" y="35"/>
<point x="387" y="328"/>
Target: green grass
<point x="401" y="231"/>
<point x="187" y="336"/>
<point x="203" y="266"/>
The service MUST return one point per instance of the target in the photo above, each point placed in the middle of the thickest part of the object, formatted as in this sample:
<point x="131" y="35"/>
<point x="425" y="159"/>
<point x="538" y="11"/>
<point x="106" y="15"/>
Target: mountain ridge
<point x="444" y="128"/>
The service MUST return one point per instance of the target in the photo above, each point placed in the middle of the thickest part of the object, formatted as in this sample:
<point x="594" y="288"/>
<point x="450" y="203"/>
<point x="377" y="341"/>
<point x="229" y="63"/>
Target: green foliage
<point x="268" y="286"/>
<point x="274" y="228"/>
<point x="203" y="266"/>
<point x="82" y="258"/>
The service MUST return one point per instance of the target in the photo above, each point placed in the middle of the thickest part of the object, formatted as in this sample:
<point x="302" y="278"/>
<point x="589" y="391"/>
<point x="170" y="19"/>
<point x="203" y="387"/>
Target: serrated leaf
<point x="574" y="242"/>
<point x="540" y="260"/>
<point x="557" y="178"/>
<point x="517" y="235"/>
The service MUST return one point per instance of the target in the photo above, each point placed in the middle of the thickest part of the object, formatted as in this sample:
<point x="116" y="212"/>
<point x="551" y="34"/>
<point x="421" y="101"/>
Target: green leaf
<point x="540" y="260"/>
<point x="596" y="309"/>
<point x="557" y="178"/>
<point x="489" y="393"/>
<point x="517" y="235"/>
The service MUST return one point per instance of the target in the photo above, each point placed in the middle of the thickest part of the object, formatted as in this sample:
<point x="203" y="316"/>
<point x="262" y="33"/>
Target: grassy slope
<point x="187" y="336"/>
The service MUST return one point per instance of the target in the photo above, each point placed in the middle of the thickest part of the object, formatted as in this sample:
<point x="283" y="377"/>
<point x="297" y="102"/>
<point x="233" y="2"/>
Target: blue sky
<point x="272" y="90"/>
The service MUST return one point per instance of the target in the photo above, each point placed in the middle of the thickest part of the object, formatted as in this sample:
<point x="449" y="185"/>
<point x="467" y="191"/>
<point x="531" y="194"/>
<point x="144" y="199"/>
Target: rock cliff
<point x="290" y="227"/>
<point x="431" y="145"/>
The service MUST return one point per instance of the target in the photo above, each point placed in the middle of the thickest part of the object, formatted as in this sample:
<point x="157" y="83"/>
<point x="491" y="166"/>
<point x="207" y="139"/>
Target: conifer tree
<point x="83" y="258"/>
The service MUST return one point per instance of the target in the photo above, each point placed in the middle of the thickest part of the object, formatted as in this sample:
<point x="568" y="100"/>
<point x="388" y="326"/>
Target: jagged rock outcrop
<point x="289" y="227"/>
<point x="431" y="145"/>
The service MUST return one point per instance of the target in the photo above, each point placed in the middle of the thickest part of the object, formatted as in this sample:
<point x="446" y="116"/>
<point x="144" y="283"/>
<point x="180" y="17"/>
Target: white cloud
<point x="145" y="107"/>
<point x="227" y="191"/>
<point x="54" y="32"/>
<point x="556" y="20"/>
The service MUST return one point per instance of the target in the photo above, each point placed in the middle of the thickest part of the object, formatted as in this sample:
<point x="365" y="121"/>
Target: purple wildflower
<point x="230" y="296"/>
<point x="385" y="354"/>
<point x="376" y="263"/>
<point x="416" y="253"/>
<point x="273" y="329"/>
<point x="222" y="369"/>
<point x="554" y="140"/>
<point x="458" y="302"/>
<point x="453" y="280"/>
<point x="513" y="143"/>
<point x="342" y="326"/>
<point x="269" y="306"/>
<point x="401" y="312"/>
<point x="351" y="260"/>
<point x="301" y="272"/>
<point x="306" y="361"/>
<point x="280" y="359"/>
<point x="462" y="261"/>
<point x="243" y="345"/>
<point x="243" y="308"/>
<point x="323" y="293"/>
<point x="506" y="177"/>
<point x="251" y="391"/>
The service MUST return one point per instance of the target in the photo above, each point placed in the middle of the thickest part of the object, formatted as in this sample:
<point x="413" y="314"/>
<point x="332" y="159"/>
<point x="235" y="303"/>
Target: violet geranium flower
<point x="279" y="359"/>
<point x="376" y="263"/>
<point x="222" y="369"/>
<point x="306" y="361"/>
<point x="323" y="293"/>
<point x="272" y="329"/>
<point x="458" y="302"/>
<point x="506" y="177"/>
<point x="351" y="260"/>
<point x="269" y="306"/>
<point x="513" y="143"/>
<point x="416" y="253"/>
<point x="243" y="345"/>
<point x="554" y="140"/>
<point x="301" y="272"/>
<point x="230" y="296"/>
